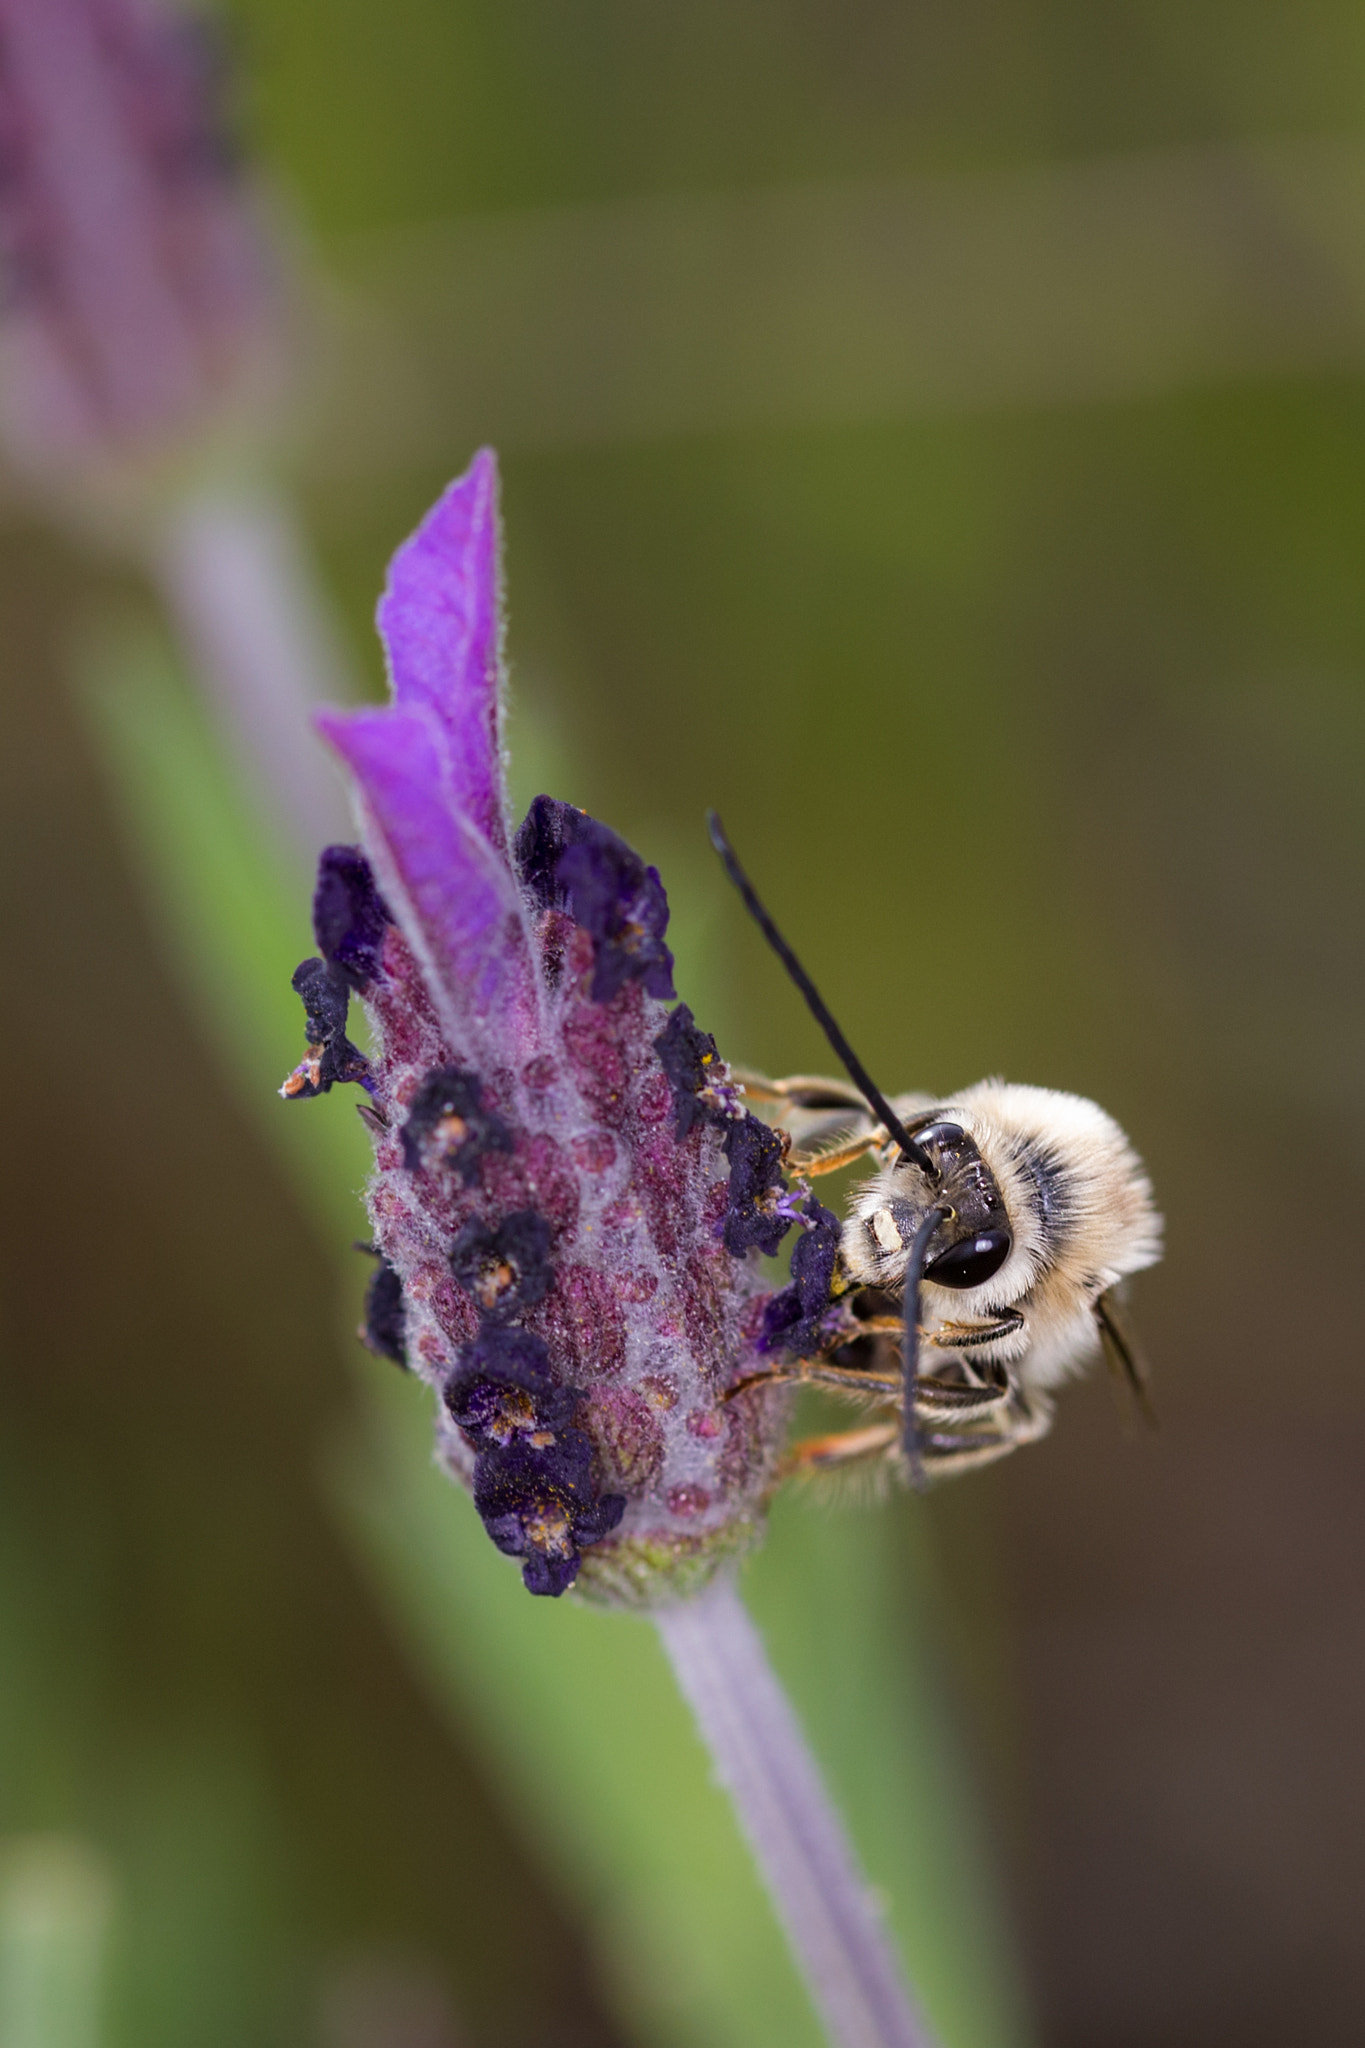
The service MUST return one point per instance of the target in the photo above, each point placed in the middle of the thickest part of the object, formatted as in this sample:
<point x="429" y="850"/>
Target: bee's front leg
<point x="813" y="1109"/>
<point x="803" y="1091"/>
<point x="812" y="1164"/>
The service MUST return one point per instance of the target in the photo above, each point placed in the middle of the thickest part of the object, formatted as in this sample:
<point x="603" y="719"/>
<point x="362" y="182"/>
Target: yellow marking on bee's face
<point x="883" y="1226"/>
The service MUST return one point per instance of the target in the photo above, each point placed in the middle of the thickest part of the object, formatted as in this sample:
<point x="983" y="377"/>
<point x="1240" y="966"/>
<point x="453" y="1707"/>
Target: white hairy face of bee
<point x="1081" y="1216"/>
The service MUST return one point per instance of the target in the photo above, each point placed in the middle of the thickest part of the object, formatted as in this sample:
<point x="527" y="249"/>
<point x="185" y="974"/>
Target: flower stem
<point x="233" y="570"/>
<point x="822" y="1898"/>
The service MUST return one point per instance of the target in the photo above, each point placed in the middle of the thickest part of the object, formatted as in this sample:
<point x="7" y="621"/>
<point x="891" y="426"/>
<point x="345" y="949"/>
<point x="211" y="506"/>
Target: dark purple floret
<point x="506" y="1270"/>
<point x="691" y="1061"/>
<point x="331" y="1056"/>
<point x="349" y="915"/>
<point x="794" y="1318"/>
<point x="548" y="830"/>
<point x="503" y="1388"/>
<point x="533" y="1482"/>
<point x="569" y="860"/>
<point x="539" y="1505"/>
<point x="447" y="1125"/>
<point x="757" y="1211"/>
<point x="384" y="1327"/>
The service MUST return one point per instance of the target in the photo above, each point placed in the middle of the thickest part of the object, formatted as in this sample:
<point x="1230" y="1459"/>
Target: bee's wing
<point x="1125" y="1360"/>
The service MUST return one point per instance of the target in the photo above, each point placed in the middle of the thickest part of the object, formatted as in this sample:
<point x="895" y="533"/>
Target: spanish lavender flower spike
<point x="567" y="1203"/>
<point x="567" y="1188"/>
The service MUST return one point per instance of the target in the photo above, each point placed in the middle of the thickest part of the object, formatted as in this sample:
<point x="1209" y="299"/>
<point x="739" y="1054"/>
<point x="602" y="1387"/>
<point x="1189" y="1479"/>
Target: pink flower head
<point x="568" y="1193"/>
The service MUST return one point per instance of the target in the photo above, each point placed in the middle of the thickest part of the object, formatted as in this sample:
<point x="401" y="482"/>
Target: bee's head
<point x="972" y="1244"/>
<point x="974" y="1239"/>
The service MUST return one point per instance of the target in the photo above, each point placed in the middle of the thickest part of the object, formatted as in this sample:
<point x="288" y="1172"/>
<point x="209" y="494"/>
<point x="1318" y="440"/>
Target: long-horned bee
<point x="993" y="1234"/>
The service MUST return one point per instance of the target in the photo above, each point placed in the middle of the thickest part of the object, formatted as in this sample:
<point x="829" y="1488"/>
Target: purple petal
<point x="439" y="622"/>
<point x="454" y="898"/>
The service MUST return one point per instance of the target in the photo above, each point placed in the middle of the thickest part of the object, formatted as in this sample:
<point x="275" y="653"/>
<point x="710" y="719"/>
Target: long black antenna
<point x="914" y="1270"/>
<point x="857" y="1072"/>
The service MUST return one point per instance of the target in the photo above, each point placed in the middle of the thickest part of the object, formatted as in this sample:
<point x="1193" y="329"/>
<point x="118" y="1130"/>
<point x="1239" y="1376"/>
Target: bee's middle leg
<point x="946" y="1452"/>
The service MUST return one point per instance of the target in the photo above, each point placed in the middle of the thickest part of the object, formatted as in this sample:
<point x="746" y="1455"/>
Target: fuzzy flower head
<point x="568" y="1197"/>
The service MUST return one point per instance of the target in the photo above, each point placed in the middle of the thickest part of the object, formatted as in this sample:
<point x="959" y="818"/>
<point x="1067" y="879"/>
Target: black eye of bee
<point x="971" y="1261"/>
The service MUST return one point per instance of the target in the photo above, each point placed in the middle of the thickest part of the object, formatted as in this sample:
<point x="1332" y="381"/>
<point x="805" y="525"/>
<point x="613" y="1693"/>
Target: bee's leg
<point x="804" y="1091"/>
<point x="813" y="1164"/>
<point x="948" y="1336"/>
<point x="963" y="1336"/>
<point x="813" y="1372"/>
<point x="812" y="1109"/>
<point x="938" y="1401"/>
<point x="946" y="1452"/>
<point x="845" y="1447"/>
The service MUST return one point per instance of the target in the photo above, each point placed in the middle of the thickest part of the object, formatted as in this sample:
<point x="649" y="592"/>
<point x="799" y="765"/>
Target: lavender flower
<point x="568" y="1192"/>
<point x="138" y="304"/>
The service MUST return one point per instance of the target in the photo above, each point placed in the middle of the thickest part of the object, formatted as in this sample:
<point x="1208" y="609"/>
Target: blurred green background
<point x="936" y="438"/>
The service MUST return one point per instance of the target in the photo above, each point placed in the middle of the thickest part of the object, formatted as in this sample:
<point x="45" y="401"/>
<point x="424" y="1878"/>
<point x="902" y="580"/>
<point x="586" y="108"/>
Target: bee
<point x="996" y="1232"/>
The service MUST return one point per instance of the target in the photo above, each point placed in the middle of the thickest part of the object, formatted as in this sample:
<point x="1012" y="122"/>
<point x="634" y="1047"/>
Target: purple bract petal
<point x="454" y="897"/>
<point x="439" y="623"/>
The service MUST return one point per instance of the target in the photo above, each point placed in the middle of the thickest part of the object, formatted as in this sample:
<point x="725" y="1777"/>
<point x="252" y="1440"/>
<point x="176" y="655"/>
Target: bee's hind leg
<point x="844" y="1447"/>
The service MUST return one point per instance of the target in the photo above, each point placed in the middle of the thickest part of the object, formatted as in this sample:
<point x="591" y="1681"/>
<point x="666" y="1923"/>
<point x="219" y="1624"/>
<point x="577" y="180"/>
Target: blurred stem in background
<point x="56" y="1899"/>
<point x="234" y="572"/>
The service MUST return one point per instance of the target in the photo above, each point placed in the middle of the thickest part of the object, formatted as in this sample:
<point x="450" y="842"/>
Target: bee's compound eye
<point x="971" y="1261"/>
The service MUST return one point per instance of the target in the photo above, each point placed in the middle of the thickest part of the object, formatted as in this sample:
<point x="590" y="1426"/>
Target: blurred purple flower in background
<point x="567" y="1187"/>
<point x="138" y="299"/>
<point x="145" y="351"/>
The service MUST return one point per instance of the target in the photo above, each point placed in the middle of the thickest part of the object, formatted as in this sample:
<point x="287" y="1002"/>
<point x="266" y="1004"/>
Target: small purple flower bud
<point x="447" y="1125"/>
<point x="757" y="1215"/>
<point x="558" y="1190"/>
<point x="506" y="1270"/>
<point x="699" y="1078"/>
<point x="383" y="1328"/>
<point x="568" y="858"/>
<point x="503" y="1388"/>
<point x="800" y="1319"/>
<point x="331" y="1056"/>
<point x="539" y="1505"/>
<point x="350" y="916"/>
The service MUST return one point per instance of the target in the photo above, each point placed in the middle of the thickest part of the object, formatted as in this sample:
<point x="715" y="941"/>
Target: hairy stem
<point x="233" y="570"/>
<point x="798" y="1841"/>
